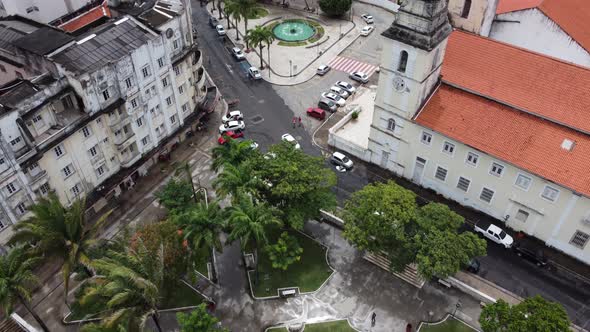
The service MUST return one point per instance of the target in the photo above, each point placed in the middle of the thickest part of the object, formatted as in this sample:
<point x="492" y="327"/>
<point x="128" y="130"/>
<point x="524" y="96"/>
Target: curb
<point x="444" y="320"/>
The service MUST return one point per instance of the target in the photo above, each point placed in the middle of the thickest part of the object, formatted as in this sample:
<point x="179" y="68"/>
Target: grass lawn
<point x="336" y="326"/>
<point x="258" y="12"/>
<point x="308" y="273"/>
<point x="293" y="43"/>
<point x="449" y="325"/>
<point x="202" y="258"/>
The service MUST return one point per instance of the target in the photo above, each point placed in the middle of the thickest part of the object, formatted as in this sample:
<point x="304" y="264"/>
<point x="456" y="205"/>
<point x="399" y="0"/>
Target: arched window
<point x="391" y="124"/>
<point x="466" y="9"/>
<point x="403" y="62"/>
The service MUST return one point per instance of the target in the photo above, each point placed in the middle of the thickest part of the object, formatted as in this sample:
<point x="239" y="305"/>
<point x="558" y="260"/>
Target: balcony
<point x="197" y="59"/>
<point x="116" y="119"/>
<point x="130" y="158"/>
<point x="201" y="78"/>
<point x="97" y="159"/>
<point x="36" y="176"/>
<point x="123" y="138"/>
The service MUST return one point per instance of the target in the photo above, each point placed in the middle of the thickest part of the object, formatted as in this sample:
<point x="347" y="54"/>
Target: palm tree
<point x="201" y="225"/>
<point x="235" y="179"/>
<point x="232" y="152"/>
<point x="16" y="276"/>
<point x="232" y="7"/>
<point x="246" y="9"/>
<point x="185" y="168"/>
<point x="129" y="286"/>
<point x="60" y="232"/>
<point x="257" y="37"/>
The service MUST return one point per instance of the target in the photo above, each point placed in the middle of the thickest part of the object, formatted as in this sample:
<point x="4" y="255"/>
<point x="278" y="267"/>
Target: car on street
<point x="367" y="30"/>
<point x="317" y="113"/>
<point x="213" y="22"/>
<point x="232" y="126"/>
<point x="238" y="54"/>
<point x="339" y="159"/>
<point x="229" y="135"/>
<point x="359" y="76"/>
<point x="346" y="86"/>
<point x="232" y="115"/>
<point x="339" y="91"/>
<point x="534" y="255"/>
<point x="220" y="30"/>
<point x="367" y="18"/>
<point x="334" y="97"/>
<point x="254" y="73"/>
<point x="322" y="70"/>
<point x="494" y="233"/>
<point x="291" y="140"/>
<point x="327" y="105"/>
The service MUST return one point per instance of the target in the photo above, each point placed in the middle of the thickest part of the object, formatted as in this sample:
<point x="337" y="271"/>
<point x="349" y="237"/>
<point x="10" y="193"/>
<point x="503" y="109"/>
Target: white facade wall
<point x="480" y="16"/>
<point x="43" y="11"/>
<point x="532" y="30"/>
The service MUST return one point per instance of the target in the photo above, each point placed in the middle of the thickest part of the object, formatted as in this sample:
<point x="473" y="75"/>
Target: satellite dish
<point x="169" y="33"/>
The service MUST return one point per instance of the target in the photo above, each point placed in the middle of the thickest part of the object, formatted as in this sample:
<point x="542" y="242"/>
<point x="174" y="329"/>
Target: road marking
<point x="349" y="65"/>
<point x="229" y="68"/>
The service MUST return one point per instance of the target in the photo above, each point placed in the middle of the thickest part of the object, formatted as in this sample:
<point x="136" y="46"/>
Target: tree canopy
<point x="335" y="7"/>
<point x="198" y="320"/>
<point x="176" y="195"/>
<point x="285" y="252"/>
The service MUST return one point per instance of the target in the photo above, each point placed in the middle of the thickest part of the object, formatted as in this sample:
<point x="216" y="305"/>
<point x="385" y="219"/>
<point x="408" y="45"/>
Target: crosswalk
<point x="349" y="65"/>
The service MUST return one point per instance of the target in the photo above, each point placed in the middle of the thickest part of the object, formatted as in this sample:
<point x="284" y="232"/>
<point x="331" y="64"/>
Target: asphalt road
<point x="268" y="117"/>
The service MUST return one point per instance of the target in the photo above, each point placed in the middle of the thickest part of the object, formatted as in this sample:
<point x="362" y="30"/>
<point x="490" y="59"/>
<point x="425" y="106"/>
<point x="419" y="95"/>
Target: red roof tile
<point x="507" y="6"/>
<point x="84" y="19"/>
<point x="523" y="79"/>
<point x="521" y="139"/>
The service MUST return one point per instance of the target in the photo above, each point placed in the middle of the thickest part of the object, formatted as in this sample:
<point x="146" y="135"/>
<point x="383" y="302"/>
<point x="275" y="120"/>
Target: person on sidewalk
<point x="373" y="319"/>
<point x="299" y="121"/>
<point x="294" y="121"/>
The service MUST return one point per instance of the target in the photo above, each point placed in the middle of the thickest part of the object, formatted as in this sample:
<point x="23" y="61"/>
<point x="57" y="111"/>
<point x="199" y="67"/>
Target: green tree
<point x="198" y="320"/>
<point x="201" y="225"/>
<point x="235" y="179"/>
<point x="232" y="8"/>
<point x="60" y="232"/>
<point x="335" y="7"/>
<point x="534" y="314"/>
<point x="246" y="9"/>
<point x="16" y="278"/>
<point x="259" y="36"/>
<point x="233" y="152"/>
<point x="176" y="196"/>
<point x="285" y="252"/>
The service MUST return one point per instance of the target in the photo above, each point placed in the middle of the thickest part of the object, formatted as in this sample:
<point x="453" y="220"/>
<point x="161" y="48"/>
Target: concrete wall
<point x="345" y="145"/>
<point x="479" y="20"/>
<point x="532" y="30"/>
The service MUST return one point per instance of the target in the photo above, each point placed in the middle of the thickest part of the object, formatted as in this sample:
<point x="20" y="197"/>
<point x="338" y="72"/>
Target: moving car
<point x="368" y="18"/>
<point x="229" y="135"/>
<point x="346" y="86"/>
<point x="317" y="113"/>
<point x="254" y="73"/>
<point x="290" y="139"/>
<point x="334" y="97"/>
<point x="232" y="116"/>
<point x="494" y="233"/>
<point x="327" y="105"/>
<point x="238" y="54"/>
<point x="322" y="70"/>
<point x="213" y="22"/>
<point x="359" y="76"/>
<point x="367" y="30"/>
<point x="340" y="159"/>
<point x="339" y="91"/>
<point x="220" y="30"/>
<point x="531" y="254"/>
<point x="232" y="125"/>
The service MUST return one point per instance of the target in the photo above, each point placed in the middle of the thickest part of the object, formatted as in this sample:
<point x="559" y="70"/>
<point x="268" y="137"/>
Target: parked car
<point x="254" y="73"/>
<point x="327" y="105"/>
<point x="290" y="139"/>
<point x="213" y="22"/>
<point x="473" y="266"/>
<point x="229" y="135"/>
<point x="494" y="233"/>
<point x="339" y="91"/>
<point x="317" y="113"/>
<point x="368" y="18"/>
<point x="367" y="30"/>
<point x="334" y="97"/>
<point x="232" y="125"/>
<point x="238" y="54"/>
<point x="359" y="76"/>
<point x="346" y="86"/>
<point x="340" y="159"/>
<point x="322" y="70"/>
<point x="232" y="116"/>
<point x="529" y="253"/>
<point x="220" y="30"/>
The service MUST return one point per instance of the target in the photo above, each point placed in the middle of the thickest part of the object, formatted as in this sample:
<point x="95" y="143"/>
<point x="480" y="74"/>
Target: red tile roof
<point x="521" y="139"/>
<point x="571" y="15"/>
<point x="86" y="18"/>
<point x="528" y="81"/>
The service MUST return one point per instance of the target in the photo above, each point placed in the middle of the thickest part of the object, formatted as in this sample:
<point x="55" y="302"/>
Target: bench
<point x="444" y="283"/>
<point x="288" y="292"/>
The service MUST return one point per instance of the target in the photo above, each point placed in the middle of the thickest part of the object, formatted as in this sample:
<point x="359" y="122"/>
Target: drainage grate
<point x="256" y="119"/>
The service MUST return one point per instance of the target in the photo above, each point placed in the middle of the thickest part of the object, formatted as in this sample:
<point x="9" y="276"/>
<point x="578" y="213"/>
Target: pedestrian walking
<point x="294" y="121"/>
<point x="373" y="319"/>
<point x="299" y="121"/>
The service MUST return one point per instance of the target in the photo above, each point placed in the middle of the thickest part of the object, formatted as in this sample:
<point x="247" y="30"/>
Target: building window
<point x="140" y="121"/>
<point x="466" y="9"/>
<point x="18" y="74"/>
<point x="75" y="190"/>
<point x="2" y="68"/>
<point x="44" y="188"/>
<point x="521" y="215"/>
<point x="391" y="124"/>
<point x="523" y="181"/>
<point x="185" y="107"/>
<point x="128" y="83"/>
<point x="403" y="62"/>
<point x="15" y="141"/>
<point x="93" y="151"/>
<point x="169" y="100"/>
<point x="486" y="195"/>
<point x="21" y="209"/>
<point x="105" y="94"/>
<point x="426" y="138"/>
<point x="134" y="102"/>
<point x="448" y="148"/>
<point x="86" y="132"/>
<point x="100" y="171"/>
<point x="181" y="89"/>
<point x="145" y="141"/>
<point x="161" y="62"/>
<point x="67" y="171"/>
<point x="472" y="159"/>
<point x="37" y="118"/>
<point x="59" y="151"/>
<point x="550" y="193"/>
<point x="173" y="119"/>
<point x="2" y="161"/>
<point x="177" y="70"/>
<point x="463" y="184"/>
<point x="145" y="71"/>
<point x="580" y="239"/>
<point x="176" y="43"/>
<point x="165" y="81"/>
<point x="441" y="173"/>
<point x="11" y="188"/>
<point x="496" y="169"/>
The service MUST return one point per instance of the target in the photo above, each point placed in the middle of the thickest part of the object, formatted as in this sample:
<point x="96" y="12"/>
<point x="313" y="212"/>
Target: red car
<point x="231" y="134"/>
<point x="317" y="113"/>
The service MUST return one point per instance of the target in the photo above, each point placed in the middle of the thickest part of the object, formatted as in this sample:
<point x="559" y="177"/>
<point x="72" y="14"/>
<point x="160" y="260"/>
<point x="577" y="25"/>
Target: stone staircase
<point x="409" y="274"/>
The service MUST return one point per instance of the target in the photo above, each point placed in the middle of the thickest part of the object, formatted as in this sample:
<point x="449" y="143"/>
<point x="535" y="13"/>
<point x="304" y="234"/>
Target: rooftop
<point x="84" y="16"/>
<point x="525" y="80"/>
<point x="13" y="92"/>
<point x="161" y="12"/>
<point x="43" y="41"/>
<point x="108" y="44"/>
<point x="518" y="138"/>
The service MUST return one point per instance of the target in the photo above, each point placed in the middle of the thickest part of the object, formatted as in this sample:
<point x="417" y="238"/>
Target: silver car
<point x="322" y="70"/>
<point x="359" y="76"/>
<point x="238" y="54"/>
<point x="232" y="126"/>
<point x="341" y="160"/>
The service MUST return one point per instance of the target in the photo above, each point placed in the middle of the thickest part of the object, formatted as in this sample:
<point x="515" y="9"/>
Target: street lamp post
<point x="340" y="35"/>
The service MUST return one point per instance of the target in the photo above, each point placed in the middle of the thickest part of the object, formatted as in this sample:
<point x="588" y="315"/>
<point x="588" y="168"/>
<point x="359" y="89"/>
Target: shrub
<point x="335" y="7"/>
<point x="285" y="252"/>
<point x="355" y="115"/>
